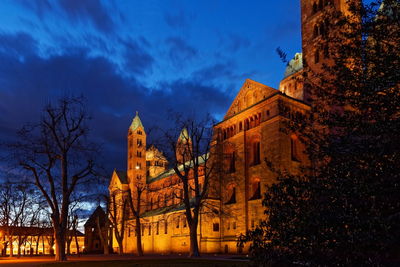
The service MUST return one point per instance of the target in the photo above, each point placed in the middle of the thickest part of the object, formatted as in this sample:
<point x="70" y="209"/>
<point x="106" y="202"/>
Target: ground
<point x="129" y="260"/>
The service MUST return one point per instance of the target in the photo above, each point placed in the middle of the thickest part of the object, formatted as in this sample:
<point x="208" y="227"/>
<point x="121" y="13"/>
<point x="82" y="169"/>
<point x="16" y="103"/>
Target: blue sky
<point x="149" y="56"/>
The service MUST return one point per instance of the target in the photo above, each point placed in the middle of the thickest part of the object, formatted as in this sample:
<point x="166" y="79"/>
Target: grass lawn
<point x="154" y="263"/>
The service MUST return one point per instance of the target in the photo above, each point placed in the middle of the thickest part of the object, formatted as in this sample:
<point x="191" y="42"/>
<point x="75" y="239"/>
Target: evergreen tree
<point x="345" y="208"/>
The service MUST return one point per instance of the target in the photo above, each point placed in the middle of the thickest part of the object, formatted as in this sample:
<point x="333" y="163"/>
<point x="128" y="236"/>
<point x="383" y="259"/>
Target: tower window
<point x="293" y="149"/>
<point x="326" y="51"/>
<point x="316" y="31"/>
<point x="139" y="142"/>
<point x="315" y="8"/>
<point x="232" y="198"/>
<point x="316" y="57"/>
<point x="320" y="5"/>
<point x="255" y="190"/>
<point x="256" y="153"/>
<point x="216" y="227"/>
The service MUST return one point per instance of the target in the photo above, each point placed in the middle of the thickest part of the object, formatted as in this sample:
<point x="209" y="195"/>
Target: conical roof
<point x="184" y="135"/>
<point x="136" y="123"/>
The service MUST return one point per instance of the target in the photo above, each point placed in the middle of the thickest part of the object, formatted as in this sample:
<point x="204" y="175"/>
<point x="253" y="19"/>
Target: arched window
<point x="251" y="122"/>
<point x="316" y="56"/>
<point x="294" y="143"/>
<point x="246" y="124"/>
<point x="240" y="126"/>
<point x="316" y="32"/>
<point x="326" y="51"/>
<point x="320" y="4"/>
<point x="322" y="30"/>
<point x="256" y="153"/>
<point x="231" y="194"/>
<point x="255" y="189"/>
<point x="315" y="8"/>
<point x="165" y="200"/>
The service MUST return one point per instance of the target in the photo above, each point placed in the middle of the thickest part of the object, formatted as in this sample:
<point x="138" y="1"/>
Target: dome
<point x="294" y="65"/>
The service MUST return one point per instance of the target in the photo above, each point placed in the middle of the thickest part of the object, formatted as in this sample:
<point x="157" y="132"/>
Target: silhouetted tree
<point x="59" y="157"/>
<point x="345" y="208"/>
<point x="189" y="145"/>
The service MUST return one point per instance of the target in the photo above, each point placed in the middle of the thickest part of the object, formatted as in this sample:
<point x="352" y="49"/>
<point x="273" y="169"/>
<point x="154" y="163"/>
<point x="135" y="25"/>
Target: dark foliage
<point x="345" y="209"/>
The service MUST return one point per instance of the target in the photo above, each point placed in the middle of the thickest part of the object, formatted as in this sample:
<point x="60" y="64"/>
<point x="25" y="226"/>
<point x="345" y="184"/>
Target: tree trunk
<point x="60" y="244"/>
<point x="19" y="247"/>
<point x="43" y="251"/>
<point x="69" y="245"/>
<point x="10" y="241"/>
<point x="77" y="244"/>
<point x="103" y="236"/>
<point x="37" y="245"/>
<point x="120" y="246"/>
<point x="138" y="237"/>
<point x="194" y="246"/>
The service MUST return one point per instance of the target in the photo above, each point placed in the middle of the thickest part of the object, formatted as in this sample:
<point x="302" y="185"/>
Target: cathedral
<point x="249" y="133"/>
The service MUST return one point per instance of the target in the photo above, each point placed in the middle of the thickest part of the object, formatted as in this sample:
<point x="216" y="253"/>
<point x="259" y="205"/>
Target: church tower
<point x="183" y="147"/>
<point x="314" y="29"/>
<point x="136" y="153"/>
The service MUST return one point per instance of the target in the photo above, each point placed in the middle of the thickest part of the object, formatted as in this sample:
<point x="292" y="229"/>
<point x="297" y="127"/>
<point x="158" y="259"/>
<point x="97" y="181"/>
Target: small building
<point x="93" y="242"/>
<point x="35" y="241"/>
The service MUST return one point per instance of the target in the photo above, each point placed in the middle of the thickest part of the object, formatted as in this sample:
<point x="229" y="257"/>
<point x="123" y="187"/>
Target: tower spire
<point x="136" y="123"/>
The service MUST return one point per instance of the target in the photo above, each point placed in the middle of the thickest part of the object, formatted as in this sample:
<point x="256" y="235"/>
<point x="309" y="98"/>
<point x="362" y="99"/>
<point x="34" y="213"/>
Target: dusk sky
<point x="147" y="56"/>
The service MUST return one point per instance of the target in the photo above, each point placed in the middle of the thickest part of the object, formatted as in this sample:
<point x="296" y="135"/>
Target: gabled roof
<point x="98" y="212"/>
<point x="118" y="179"/>
<point x="250" y="90"/>
<point x="123" y="178"/>
<point x="136" y="123"/>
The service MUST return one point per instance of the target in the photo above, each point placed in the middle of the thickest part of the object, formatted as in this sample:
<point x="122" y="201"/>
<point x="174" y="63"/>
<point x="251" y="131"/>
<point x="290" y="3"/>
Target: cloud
<point x="17" y="44"/>
<point x="234" y="42"/>
<point x="180" y="51"/>
<point x="92" y="11"/>
<point x="220" y="71"/>
<point x="112" y="98"/>
<point x="137" y="59"/>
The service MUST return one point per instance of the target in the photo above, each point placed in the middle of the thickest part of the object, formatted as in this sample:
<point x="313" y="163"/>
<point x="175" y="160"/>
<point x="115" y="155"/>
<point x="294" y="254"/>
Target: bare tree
<point x="103" y="228"/>
<point x="190" y="159"/>
<point x="118" y="216"/>
<point x="57" y="154"/>
<point x="135" y="202"/>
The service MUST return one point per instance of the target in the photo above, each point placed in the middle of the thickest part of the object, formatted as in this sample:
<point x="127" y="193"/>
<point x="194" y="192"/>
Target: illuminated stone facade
<point x="246" y="141"/>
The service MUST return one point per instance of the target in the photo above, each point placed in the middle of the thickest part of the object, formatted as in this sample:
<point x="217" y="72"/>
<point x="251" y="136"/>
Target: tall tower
<point x="315" y="27"/>
<point x="183" y="146"/>
<point x="136" y="153"/>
